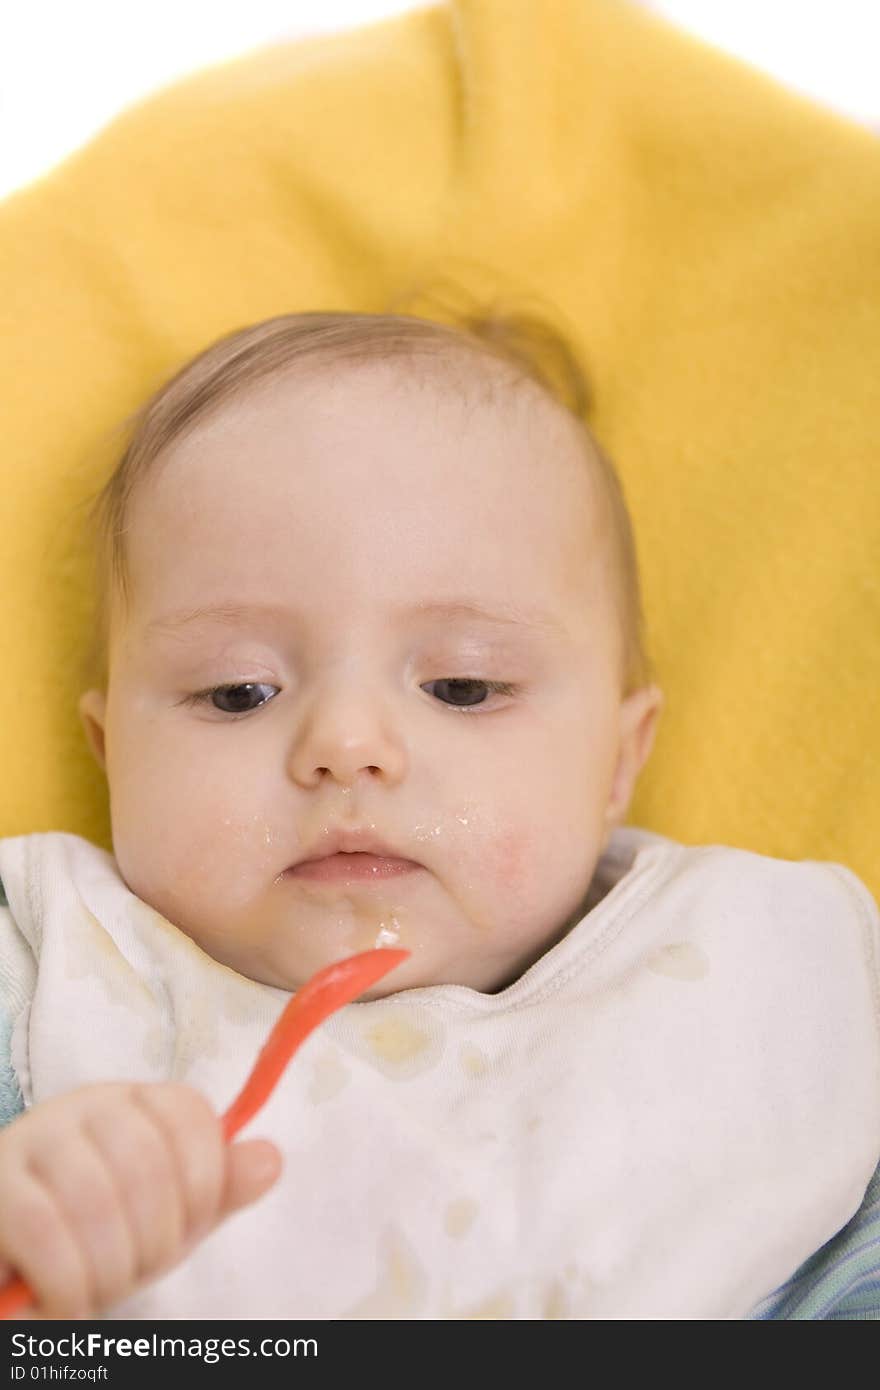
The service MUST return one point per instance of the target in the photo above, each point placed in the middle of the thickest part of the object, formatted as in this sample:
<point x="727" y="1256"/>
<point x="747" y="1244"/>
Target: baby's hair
<point x="233" y="364"/>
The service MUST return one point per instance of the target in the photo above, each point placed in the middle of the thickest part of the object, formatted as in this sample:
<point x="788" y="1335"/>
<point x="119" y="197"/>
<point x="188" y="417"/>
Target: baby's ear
<point x="93" y="713"/>
<point x="639" y="714"/>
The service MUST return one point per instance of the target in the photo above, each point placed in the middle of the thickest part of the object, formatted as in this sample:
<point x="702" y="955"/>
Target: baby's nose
<point x="345" y="739"/>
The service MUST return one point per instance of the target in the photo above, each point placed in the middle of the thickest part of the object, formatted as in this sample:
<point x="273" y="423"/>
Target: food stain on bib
<point x="202" y="1001"/>
<point x="401" y="1287"/>
<point x="87" y="938"/>
<point x="329" y="1076"/>
<point x="460" y="1216"/>
<point x="243" y="1002"/>
<point x="499" y="1306"/>
<point x="101" y="943"/>
<point x="679" y="961"/>
<point x="555" y="1303"/>
<point x="119" y="982"/>
<point x="473" y="1061"/>
<point x="390" y="1036"/>
<point x="398" y="1042"/>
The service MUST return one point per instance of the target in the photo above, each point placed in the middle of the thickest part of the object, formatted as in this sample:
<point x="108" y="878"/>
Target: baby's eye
<point x="465" y="691"/>
<point x="237" y="696"/>
<point x="461" y="692"/>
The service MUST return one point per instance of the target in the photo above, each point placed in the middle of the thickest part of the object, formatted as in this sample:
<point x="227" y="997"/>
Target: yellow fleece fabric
<point x="710" y="241"/>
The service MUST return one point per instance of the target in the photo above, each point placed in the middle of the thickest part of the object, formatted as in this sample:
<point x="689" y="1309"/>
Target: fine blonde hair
<point x="530" y="347"/>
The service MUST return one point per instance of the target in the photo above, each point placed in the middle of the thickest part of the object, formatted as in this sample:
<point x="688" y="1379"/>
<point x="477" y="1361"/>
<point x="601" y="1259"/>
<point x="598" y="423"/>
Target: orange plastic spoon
<point x="322" y="995"/>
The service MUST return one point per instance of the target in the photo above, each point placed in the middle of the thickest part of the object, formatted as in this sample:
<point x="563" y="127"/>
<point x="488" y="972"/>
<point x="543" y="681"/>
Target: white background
<point x="68" y="66"/>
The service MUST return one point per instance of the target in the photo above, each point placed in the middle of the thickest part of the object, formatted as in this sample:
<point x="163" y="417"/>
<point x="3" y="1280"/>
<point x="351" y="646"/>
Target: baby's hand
<point x="105" y="1188"/>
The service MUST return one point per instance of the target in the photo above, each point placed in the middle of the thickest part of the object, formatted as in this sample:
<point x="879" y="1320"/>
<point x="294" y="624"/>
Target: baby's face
<point x="425" y="635"/>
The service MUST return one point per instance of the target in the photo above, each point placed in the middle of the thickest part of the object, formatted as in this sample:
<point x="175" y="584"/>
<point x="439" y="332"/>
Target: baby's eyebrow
<point x="501" y="614"/>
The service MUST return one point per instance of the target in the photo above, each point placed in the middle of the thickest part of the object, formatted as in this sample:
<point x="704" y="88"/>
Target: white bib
<point x="662" y="1118"/>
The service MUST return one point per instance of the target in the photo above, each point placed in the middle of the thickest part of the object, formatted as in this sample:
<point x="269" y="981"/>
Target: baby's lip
<point x="351" y="841"/>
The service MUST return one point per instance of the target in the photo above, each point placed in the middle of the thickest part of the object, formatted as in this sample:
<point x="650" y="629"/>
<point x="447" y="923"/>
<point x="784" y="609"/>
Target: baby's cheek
<point x="512" y="863"/>
<point x="534" y="871"/>
<point x="230" y="864"/>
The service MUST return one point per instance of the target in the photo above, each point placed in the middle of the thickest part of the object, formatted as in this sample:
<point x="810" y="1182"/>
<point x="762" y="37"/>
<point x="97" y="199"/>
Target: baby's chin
<point x="416" y="972"/>
<point x="409" y="974"/>
<point x="287" y="951"/>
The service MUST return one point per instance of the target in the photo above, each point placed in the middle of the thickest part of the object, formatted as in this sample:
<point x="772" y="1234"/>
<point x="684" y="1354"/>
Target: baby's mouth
<point x="352" y="867"/>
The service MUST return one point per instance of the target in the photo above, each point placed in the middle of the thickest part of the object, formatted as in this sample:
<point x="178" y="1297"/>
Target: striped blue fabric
<point x="841" y="1281"/>
<point x="11" y="1103"/>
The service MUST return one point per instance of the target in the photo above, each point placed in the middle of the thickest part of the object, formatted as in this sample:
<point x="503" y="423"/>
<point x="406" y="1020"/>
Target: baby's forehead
<point x="432" y="409"/>
<point x="465" y="382"/>
<point x="443" y="469"/>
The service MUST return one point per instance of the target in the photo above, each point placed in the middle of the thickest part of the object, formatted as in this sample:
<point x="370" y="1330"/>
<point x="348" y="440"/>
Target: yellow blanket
<point x="711" y="242"/>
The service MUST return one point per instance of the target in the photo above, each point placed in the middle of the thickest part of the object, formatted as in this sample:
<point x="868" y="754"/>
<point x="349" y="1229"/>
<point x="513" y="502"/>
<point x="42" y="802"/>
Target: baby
<point x="373" y="673"/>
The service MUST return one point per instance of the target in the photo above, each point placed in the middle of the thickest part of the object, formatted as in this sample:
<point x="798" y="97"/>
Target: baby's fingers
<point x="140" y="1159"/>
<point x="42" y="1247"/>
<point x="214" y="1179"/>
<point x="251" y="1169"/>
<point x="192" y="1139"/>
<point x="97" y="1200"/>
<point x="113" y="1185"/>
